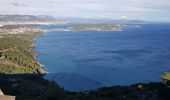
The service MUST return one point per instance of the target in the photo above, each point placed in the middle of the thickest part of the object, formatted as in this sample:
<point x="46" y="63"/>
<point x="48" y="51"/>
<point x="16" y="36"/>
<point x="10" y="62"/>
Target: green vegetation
<point x="166" y="78"/>
<point x="16" y="55"/>
<point x="116" y="27"/>
<point x="34" y="87"/>
<point x="31" y="87"/>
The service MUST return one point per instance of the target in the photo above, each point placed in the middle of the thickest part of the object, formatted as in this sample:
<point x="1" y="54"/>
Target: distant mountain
<point x="80" y="20"/>
<point x="131" y="21"/>
<point x="14" y="18"/>
<point x="100" y="20"/>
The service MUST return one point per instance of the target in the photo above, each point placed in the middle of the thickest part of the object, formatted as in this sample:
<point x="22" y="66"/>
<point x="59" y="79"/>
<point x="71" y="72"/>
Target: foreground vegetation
<point x="34" y="87"/>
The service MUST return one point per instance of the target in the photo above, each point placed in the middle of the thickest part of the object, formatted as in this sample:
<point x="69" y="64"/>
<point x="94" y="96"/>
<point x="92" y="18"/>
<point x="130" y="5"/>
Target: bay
<point x="92" y="59"/>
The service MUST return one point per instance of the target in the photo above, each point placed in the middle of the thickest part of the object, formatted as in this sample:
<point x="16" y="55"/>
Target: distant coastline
<point x="108" y="27"/>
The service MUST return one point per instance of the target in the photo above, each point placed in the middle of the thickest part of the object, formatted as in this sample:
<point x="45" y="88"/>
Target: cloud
<point x="19" y="4"/>
<point x="124" y="17"/>
<point x="164" y="18"/>
<point x="15" y="4"/>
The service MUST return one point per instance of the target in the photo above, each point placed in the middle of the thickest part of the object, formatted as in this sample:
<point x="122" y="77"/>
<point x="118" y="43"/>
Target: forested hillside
<point x="16" y="55"/>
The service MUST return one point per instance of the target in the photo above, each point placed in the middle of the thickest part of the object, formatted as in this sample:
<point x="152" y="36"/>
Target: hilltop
<point x="29" y="19"/>
<point x="22" y="18"/>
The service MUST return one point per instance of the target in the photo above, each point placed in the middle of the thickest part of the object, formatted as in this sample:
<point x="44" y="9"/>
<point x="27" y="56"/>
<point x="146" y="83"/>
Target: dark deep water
<point x="87" y="60"/>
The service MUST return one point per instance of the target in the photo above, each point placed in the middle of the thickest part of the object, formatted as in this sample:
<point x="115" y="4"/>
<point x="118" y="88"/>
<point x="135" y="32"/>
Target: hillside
<point x="14" y="18"/>
<point x="16" y="55"/>
<point x="34" y="87"/>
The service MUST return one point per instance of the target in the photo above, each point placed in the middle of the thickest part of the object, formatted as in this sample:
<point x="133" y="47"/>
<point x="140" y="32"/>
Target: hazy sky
<point x="116" y="9"/>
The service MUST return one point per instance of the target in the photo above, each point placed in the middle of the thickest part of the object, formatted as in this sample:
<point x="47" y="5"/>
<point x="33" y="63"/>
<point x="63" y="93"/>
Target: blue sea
<point x="88" y="60"/>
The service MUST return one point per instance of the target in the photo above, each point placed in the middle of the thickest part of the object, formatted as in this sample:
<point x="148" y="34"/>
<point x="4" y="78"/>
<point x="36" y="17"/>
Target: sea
<point x="88" y="60"/>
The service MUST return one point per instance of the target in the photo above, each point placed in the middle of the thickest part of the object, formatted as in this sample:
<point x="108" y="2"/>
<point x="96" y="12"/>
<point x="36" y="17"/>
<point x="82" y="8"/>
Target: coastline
<point x="41" y="67"/>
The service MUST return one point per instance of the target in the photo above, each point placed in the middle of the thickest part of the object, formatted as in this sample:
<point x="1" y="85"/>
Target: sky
<point x="156" y="10"/>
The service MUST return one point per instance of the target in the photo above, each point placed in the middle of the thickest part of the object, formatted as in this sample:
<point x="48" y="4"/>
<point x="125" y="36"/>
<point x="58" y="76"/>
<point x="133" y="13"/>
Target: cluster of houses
<point x="19" y="30"/>
<point x="6" y="97"/>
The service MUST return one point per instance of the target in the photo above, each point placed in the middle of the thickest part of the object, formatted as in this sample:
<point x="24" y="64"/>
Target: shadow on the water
<point x="74" y="81"/>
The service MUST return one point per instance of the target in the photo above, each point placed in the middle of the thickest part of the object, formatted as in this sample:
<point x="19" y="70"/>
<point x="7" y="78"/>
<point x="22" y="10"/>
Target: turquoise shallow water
<point x="88" y="60"/>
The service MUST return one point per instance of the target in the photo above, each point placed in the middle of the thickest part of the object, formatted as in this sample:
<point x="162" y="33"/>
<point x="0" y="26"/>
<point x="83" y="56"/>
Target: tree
<point x="166" y="78"/>
<point x="54" y="92"/>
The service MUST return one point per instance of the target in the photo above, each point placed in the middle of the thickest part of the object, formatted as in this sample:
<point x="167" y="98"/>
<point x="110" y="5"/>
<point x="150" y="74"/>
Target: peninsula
<point x="16" y="54"/>
<point x="114" y="28"/>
